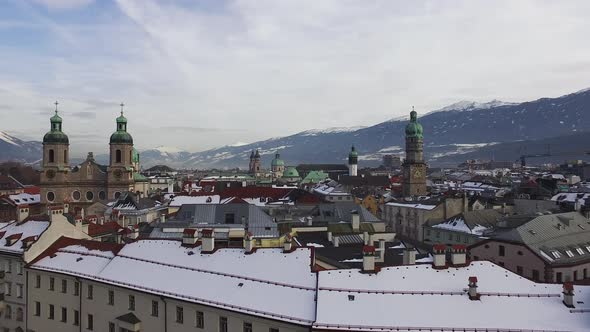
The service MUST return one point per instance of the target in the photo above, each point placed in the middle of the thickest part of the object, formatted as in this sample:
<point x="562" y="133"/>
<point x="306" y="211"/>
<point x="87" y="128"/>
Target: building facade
<point x="255" y="164"/>
<point x="89" y="182"/>
<point x="353" y="160"/>
<point x="414" y="167"/>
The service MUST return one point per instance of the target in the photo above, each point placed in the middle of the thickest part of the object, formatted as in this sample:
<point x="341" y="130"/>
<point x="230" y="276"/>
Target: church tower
<point x="255" y="162"/>
<point x="277" y="166"/>
<point x="120" y="171"/>
<point x="353" y="159"/>
<point x="56" y="163"/>
<point x="414" y="167"/>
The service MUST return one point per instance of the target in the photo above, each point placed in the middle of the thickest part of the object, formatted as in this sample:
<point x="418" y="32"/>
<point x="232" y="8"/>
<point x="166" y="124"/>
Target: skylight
<point x="580" y="251"/>
<point x="569" y="253"/>
<point x="556" y="254"/>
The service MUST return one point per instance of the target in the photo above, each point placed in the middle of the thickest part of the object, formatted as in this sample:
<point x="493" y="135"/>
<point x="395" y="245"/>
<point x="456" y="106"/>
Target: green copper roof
<point x="353" y="152"/>
<point x="135" y="157"/>
<point x="121" y="136"/>
<point x="277" y="161"/>
<point x="291" y="172"/>
<point x="315" y="177"/>
<point x="139" y="178"/>
<point x="413" y="128"/>
<point x="55" y="135"/>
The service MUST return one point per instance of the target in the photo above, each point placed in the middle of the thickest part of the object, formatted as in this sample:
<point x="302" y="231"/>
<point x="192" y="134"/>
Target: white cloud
<point x="258" y="69"/>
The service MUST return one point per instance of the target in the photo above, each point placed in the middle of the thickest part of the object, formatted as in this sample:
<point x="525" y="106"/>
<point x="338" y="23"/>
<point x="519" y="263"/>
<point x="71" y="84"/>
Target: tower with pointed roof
<point x="120" y="170"/>
<point x="353" y="159"/>
<point x="56" y="164"/>
<point x="414" y="167"/>
<point x="255" y="166"/>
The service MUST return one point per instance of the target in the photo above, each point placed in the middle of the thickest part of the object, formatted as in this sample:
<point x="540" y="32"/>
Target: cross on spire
<point x="121" y="107"/>
<point x="56" y="103"/>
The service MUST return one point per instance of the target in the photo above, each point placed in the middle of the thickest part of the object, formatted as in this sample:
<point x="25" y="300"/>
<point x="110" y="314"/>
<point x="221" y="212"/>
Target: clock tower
<point x="120" y="170"/>
<point x="414" y="167"/>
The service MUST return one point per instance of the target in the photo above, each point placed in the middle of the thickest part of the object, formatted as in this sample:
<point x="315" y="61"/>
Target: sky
<point x="202" y="74"/>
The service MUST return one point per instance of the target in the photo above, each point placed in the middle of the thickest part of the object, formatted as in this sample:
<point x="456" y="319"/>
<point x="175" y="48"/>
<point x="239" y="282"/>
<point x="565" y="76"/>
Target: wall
<point x="515" y="255"/>
<point x="12" y="279"/>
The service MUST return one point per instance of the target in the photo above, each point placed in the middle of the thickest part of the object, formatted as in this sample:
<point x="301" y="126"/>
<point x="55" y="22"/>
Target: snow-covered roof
<point x="25" y="199"/>
<point x="412" y="298"/>
<point x="227" y="279"/>
<point x="571" y="197"/>
<point x="26" y="229"/>
<point x="458" y="225"/>
<point x="413" y="205"/>
<point x="178" y="201"/>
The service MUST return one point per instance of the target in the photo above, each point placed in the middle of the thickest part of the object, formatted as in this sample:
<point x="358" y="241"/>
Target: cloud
<point x="84" y="115"/>
<point x="200" y="129"/>
<point x="63" y="4"/>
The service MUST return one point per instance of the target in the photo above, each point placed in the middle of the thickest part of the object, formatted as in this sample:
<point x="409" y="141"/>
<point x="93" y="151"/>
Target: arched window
<point x="8" y="311"/>
<point x="118" y="156"/>
<point x="65" y="156"/>
<point x="51" y="156"/>
<point x="131" y="156"/>
<point x="19" y="314"/>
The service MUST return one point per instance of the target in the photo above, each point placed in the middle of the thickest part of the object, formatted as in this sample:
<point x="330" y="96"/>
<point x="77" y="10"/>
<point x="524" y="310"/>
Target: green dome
<point x="414" y="129"/>
<point x="135" y="157"/>
<point x="291" y="172"/>
<point x="353" y="152"/>
<point x="277" y="161"/>
<point x="121" y="137"/>
<point x="55" y="135"/>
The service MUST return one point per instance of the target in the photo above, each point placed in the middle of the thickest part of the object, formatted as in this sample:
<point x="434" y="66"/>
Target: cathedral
<point x="414" y="167"/>
<point x="89" y="182"/>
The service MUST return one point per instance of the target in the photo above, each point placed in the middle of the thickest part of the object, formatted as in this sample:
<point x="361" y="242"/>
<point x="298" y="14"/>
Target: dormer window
<point x="580" y="251"/>
<point x="556" y="254"/>
<point x="569" y="253"/>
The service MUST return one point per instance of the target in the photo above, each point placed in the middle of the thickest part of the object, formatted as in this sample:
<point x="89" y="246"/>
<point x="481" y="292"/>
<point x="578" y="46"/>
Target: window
<point x="8" y="289"/>
<point x="111" y="297"/>
<point x="131" y="302"/>
<point x="76" y="288"/>
<point x="76" y="195"/>
<point x="519" y="253"/>
<point x="200" y="320"/>
<point x="65" y="156"/>
<point x="575" y="275"/>
<point x="118" y="156"/>
<point x="19" y="314"/>
<point x="519" y="270"/>
<point x="585" y="273"/>
<point x="8" y="314"/>
<point x="64" y="286"/>
<point x="90" y="291"/>
<point x="38" y="281"/>
<point x="51" y="283"/>
<point x="559" y="277"/>
<point x="229" y="218"/>
<point x="580" y="251"/>
<point x="51" y="156"/>
<point x="8" y="266"/>
<point x="90" y="322"/>
<point x="89" y="195"/>
<point x="247" y="327"/>
<point x="155" y="308"/>
<point x="111" y="327"/>
<point x="37" y="311"/>
<point x="569" y="253"/>
<point x="501" y="251"/>
<point x="64" y="314"/>
<point x="222" y="324"/>
<point x="556" y="254"/>
<point x="50" y="196"/>
<point x="19" y="268"/>
<point x="19" y="291"/>
<point x="535" y="275"/>
<point x="102" y="195"/>
<point x="179" y="315"/>
<point x="51" y="313"/>
<point x="76" y="317"/>
<point x="272" y="329"/>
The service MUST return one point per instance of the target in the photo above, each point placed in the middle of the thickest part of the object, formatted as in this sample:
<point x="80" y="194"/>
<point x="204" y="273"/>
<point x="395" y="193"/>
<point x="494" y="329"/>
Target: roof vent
<point x="52" y="256"/>
<point x="350" y="297"/>
<point x="240" y="284"/>
<point x="190" y="253"/>
<point x="79" y="259"/>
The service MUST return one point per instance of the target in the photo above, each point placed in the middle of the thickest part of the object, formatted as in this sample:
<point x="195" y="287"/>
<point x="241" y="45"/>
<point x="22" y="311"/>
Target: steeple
<point x="121" y="136"/>
<point x="55" y="134"/>
<point x="353" y="161"/>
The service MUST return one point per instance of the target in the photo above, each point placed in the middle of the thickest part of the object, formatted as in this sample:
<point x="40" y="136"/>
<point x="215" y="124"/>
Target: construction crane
<point x="524" y="157"/>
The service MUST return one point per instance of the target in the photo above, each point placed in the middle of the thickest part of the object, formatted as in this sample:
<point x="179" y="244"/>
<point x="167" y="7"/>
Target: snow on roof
<point x="571" y="197"/>
<point x="228" y="278"/>
<point x="181" y="200"/>
<point x="76" y="259"/>
<point x="413" y="206"/>
<point x="458" y="225"/>
<point x="24" y="198"/>
<point x="26" y="229"/>
<point x="420" y="297"/>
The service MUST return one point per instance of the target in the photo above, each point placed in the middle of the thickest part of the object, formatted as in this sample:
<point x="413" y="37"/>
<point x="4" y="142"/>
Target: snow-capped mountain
<point x="452" y="134"/>
<point x="14" y="149"/>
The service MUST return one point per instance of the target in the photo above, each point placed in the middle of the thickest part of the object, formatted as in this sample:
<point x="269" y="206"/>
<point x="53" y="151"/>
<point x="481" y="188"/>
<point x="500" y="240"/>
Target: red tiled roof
<point x="63" y="242"/>
<point x="439" y="247"/>
<point x="15" y="236"/>
<point x="568" y="286"/>
<point x="189" y="231"/>
<point x="30" y="238"/>
<point x="459" y="247"/>
<point x="106" y="228"/>
<point x="6" y="182"/>
<point x="472" y="279"/>
<point x="32" y="190"/>
<point x="2" y="234"/>
<point x="368" y="248"/>
<point x="236" y="200"/>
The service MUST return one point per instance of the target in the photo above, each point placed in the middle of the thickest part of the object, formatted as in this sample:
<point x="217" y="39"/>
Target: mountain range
<point x="464" y="130"/>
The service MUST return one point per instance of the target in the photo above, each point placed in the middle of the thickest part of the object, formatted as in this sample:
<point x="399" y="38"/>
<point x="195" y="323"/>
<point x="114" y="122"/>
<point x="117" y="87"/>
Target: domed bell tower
<point x="56" y="163"/>
<point x="414" y="167"/>
<point x="120" y="172"/>
<point x="353" y="159"/>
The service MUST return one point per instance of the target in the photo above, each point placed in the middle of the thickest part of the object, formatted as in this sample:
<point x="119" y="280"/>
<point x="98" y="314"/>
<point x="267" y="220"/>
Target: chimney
<point x="309" y="221"/>
<point x="249" y="243"/>
<point x="208" y="241"/>
<point x="568" y="294"/>
<point x="473" y="295"/>
<point x="366" y="238"/>
<point x="66" y="207"/>
<point x="54" y="212"/>
<point x="22" y="212"/>
<point x="288" y="244"/>
<point x="336" y="241"/>
<point x="189" y="237"/>
<point x="459" y="255"/>
<point x="465" y="203"/>
<point x="409" y="256"/>
<point x="329" y="236"/>
<point x="440" y="256"/>
<point x="503" y="208"/>
<point x="381" y="258"/>
<point x="356" y="221"/>
<point x="162" y="218"/>
<point x="368" y="259"/>
<point x="135" y="232"/>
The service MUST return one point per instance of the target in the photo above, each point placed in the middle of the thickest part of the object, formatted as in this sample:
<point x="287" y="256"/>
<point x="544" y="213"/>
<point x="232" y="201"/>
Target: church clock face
<point x="50" y="174"/>
<point x="418" y="173"/>
<point x="118" y="173"/>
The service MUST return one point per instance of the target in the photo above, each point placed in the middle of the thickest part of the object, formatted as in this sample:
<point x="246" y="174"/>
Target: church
<point x="89" y="182"/>
<point x="414" y="166"/>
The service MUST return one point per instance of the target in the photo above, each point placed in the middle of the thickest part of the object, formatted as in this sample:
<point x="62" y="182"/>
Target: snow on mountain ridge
<point x="331" y="130"/>
<point x="466" y="105"/>
<point x="9" y="139"/>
